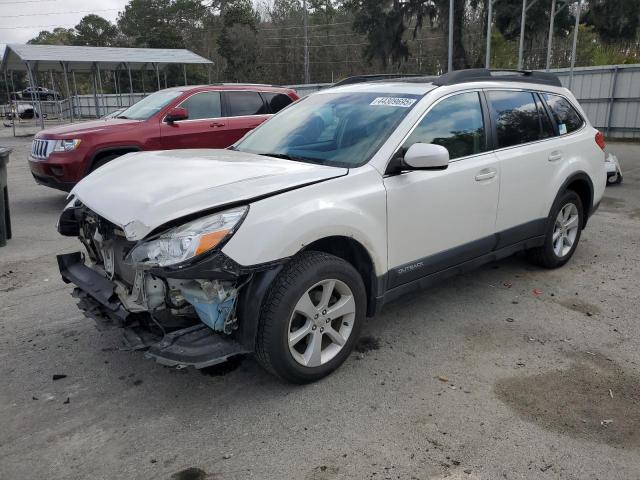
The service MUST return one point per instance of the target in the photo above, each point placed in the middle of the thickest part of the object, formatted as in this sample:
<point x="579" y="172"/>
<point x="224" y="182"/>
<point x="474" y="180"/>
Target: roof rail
<point x="483" y="74"/>
<point x="374" y="77"/>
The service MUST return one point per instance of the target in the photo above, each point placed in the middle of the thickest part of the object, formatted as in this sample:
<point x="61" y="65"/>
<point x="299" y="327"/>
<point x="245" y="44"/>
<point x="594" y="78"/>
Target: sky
<point x="21" y="20"/>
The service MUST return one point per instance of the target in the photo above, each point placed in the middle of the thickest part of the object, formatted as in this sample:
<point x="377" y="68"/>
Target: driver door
<point x="203" y="129"/>
<point x="441" y="218"/>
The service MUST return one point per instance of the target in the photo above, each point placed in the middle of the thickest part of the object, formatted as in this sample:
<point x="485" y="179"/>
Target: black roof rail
<point x="483" y="74"/>
<point x="374" y="77"/>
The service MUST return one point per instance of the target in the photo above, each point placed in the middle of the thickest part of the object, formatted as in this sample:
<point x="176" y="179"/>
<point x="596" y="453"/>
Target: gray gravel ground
<point x="478" y="378"/>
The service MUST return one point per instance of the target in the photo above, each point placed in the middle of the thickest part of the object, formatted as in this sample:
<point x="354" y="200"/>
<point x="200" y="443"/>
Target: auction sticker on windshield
<point x="394" y="102"/>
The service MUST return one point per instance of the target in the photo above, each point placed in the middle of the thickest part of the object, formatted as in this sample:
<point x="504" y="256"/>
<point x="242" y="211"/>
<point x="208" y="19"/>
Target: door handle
<point x="217" y="124"/>
<point x="555" y="156"/>
<point x="485" y="174"/>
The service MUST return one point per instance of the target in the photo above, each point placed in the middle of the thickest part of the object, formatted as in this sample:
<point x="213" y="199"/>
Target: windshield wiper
<point x="284" y="156"/>
<point x="122" y="116"/>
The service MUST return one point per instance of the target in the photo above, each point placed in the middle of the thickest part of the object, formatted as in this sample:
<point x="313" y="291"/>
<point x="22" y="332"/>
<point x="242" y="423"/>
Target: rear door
<point x="205" y="127"/>
<point x="530" y="155"/>
<point x="245" y="110"/>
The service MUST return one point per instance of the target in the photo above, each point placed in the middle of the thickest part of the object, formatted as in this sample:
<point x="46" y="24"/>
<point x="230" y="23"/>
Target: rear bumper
<point x="196" y="346"/>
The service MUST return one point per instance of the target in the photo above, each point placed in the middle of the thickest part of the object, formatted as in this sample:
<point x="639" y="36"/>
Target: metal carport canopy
<point x="78" y="58"/>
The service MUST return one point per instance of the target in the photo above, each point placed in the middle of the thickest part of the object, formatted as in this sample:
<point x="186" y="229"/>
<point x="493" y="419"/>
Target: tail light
<point x="600" y="140"/>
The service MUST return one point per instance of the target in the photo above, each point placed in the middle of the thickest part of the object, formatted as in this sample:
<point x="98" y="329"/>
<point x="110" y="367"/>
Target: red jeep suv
<point x="212" y="116"/>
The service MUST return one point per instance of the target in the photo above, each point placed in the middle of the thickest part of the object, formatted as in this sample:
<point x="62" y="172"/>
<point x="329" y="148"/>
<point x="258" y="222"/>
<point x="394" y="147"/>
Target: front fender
<point x="280" y="226"/>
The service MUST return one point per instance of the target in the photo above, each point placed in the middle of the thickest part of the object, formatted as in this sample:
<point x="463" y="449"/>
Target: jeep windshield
<point x="335" y="129"/>
<point x="149" y="106"/>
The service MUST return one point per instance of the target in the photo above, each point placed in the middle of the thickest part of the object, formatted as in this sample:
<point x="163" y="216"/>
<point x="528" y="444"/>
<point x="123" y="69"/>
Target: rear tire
<point x="562" y="235"/>
<point x="298" y="340"/>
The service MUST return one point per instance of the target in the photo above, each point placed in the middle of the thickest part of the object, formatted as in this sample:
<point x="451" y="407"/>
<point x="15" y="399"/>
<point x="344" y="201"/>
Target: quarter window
<point x="245" y="103"/>
<point x="517" y="118"/>
<point x="456" y="123"/>
<point x="564" y="114"/>
<point x="276" y="101"/>
<point x="203" y="105"/>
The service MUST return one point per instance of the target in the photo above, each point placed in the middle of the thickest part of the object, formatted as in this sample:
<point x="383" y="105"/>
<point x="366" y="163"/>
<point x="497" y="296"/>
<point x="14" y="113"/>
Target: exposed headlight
<point x="188" y="240"/>
<point x="66" y="145"/>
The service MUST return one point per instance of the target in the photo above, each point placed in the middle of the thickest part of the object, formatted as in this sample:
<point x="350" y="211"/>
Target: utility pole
<point x="306" y="41"/>
<point x="487" y="62"/>
<point x="523" y="19"/>
<point x="523" y="22"/>
<point x="575" y="43"/>
<point x="550" y="41"/>
<point x="450" y="56"/>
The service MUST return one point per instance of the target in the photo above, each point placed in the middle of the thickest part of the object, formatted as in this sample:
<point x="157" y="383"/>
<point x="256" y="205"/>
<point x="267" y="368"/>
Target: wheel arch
<point x="353" y="252"/>
<point x="108" y="151"/>
<point x="581" y="183"/>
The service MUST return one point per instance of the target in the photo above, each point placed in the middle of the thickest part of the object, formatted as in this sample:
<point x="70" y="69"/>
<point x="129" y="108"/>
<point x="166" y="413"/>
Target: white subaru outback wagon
<point x="284" y="243"/>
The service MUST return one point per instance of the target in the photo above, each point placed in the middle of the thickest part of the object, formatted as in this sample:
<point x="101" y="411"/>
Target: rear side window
<point x="245" y="103"/>
<point x="276" y="101"/>
<point x="564" y="114"/>
<point x="203" y="105"/>
<point x="456" y="123"/>
<point x="516" y="117"/>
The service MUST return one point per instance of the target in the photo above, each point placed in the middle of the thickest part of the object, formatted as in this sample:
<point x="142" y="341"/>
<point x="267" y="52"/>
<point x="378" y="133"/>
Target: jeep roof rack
<point x="483" y="74"/>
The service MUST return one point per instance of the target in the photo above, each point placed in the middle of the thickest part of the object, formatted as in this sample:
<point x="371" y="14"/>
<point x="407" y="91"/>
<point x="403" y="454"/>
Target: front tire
<point x="564" y="227"/>
<point x="311" y="317"/>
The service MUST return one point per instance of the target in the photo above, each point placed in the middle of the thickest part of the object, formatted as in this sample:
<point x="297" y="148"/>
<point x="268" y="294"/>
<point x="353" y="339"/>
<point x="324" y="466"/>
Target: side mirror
<point x="424" y="156"/>
<point x="175" y="114"/>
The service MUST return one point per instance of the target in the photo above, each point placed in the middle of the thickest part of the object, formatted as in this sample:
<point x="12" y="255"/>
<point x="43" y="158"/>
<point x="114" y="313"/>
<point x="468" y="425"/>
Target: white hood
<point x="142" y="191"/>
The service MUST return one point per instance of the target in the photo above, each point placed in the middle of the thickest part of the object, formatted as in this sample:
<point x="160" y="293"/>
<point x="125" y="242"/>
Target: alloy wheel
<point x="321" y="322"/>
<point x="565" y="229"/>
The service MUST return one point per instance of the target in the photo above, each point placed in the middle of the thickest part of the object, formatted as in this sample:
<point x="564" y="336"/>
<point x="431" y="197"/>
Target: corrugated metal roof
<point x="81" y="58"/>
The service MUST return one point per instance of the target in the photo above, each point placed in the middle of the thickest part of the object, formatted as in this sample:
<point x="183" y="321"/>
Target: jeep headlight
<point x="188" y="240"/>
<point x="66" y="145"/>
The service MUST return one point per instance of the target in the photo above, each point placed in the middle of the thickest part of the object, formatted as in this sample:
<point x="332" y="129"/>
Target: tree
<point x="95" y="31"/>
<point x="238" y="41"/>
<point x="59" y="36"/>
<point x="614" y="20"/>
<point x="148" y="23"/>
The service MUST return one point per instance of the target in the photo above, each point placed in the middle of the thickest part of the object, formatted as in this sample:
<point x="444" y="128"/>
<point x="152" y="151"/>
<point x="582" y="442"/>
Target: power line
<point x="59" y="13"/>
<point x="27" y="1"/>
<point x="301" y="26"/>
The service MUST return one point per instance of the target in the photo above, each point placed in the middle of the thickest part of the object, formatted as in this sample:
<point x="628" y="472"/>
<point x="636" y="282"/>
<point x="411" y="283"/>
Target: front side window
<point x="566" y="117"/>
<point x="149" y="106"/>
<point x="335" y="129"/>
<point x="203" y="105"/>
<point x="516" y="117"/>
<point x="245" y="103"/>
<point x="456" y="123"/>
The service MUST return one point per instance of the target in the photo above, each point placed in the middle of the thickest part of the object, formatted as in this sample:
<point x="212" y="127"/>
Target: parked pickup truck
<point x="212" y="116"/>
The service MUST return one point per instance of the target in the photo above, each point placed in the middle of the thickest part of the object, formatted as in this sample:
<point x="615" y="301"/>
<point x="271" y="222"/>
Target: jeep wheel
<point x="563" y="232"/>
<point x="102" y="161"/>
<point x="311" y="317"/>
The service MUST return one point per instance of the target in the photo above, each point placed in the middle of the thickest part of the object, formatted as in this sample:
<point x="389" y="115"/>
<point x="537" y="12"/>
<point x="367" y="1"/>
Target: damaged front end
<point x="174" y="294"/>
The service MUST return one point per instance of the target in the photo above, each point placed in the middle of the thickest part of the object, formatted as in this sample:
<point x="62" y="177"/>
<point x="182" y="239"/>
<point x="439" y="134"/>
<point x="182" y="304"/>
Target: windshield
<point x="335" y="129"/>
<point x="149" y="106"/>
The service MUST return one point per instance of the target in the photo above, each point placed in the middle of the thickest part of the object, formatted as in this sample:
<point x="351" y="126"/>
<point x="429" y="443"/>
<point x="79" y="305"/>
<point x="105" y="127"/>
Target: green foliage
<point x="238" y="40"/>
<point x="59" y="36"/>
<point x="614" y="20"/>
<point x="95" y="31"/>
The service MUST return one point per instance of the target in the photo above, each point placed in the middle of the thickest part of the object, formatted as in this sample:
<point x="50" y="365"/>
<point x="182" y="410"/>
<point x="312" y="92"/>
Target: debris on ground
<point x="443" y="379"/>
<point x="537" y="291"/>
<point x="604" y="423"/>
<point x="510" y="320"/>
<point x="610" y="393"/>
<point x="58" y="376"/>
<point x="67" y="401"/>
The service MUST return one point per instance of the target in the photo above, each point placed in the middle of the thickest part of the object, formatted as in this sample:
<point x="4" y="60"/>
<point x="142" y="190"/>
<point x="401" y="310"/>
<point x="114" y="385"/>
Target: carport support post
<point x="487" y="60"/>
<point x="184" y="72"/>
<point x="158" y="75"/>
<point x="66" y="86"/>
<point x="143" y="71"/>
<point x="10" y="100"/>
<point x="550" y="41"/>
<point x="523" y="19"/>
<point x="130" y="83"/>
<point x="75" y="92"/>
<point x="55" y="95"/>
<point x="95" y="90"/>
<point x="32" y="82"/>
<point x="165" y="77"/>
<point x="100" y="86"/>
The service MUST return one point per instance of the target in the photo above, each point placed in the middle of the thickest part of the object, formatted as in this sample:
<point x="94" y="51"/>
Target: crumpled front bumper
<point x="197" y="346"/>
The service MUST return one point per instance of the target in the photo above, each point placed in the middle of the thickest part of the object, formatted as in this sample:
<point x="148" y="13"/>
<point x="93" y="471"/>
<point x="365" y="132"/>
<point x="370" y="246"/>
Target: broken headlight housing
<point x="189" y="240"/>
